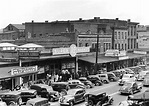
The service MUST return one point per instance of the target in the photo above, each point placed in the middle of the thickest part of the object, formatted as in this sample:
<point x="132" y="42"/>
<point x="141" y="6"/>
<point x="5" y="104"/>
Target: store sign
<point x="123" y="57"/>
<point x="23" y="70"/>
<point x="115" y="53"/>
<point x="140" y="52"/>
<point x="72" y="50"/>
<point x="28" y="54"/>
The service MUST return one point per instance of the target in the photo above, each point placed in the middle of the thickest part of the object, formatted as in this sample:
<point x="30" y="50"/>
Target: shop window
<point x="86" y="44"/>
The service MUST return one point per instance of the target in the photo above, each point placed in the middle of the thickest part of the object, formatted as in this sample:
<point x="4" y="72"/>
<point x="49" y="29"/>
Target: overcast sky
<point x="21" y="11"/>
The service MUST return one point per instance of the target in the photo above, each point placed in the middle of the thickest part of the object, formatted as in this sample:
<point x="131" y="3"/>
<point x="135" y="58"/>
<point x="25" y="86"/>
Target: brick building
<point x="13" y="32"/>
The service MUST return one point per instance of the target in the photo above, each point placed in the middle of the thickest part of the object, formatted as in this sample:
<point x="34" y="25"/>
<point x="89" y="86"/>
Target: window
<point x="86" y="44"/>
<point x="115" y="46"/>
<point x="80" y="44"/>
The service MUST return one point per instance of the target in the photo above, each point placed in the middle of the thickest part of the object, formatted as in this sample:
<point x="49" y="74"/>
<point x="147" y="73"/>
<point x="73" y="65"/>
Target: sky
<point x="21" y="11"/>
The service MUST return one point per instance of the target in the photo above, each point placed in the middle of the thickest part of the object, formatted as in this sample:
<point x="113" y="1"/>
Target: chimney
<point x="128" y="20"/>
<point x="32" y="21"/>
<point x="46" y="21"/>
<point x="117" y="18"/>
<point x="80" y="19"/>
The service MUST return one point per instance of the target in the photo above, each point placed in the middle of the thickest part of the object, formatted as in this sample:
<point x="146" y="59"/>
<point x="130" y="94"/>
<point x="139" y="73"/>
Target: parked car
<point x="98" y="99"/>
<point x="111" y="76"/>
<point x="146" y="80"/>
<point x="125" y="78"/>
<point x="130" y="88"/>
<point x="142" y="75"/>
<point x="28" y="94"/>
<point x="86" y="82"/>
<point x="46" y="91"/>
<point x="76" y="84"/>
<point x="2" y="103"/>
<point x="73" y="96"/>
<point x="38" y="102"/>
<point x="95" y="80"/>
<point x="117" y="73"/>
<point x="125" y="103"/>
<point x="61" y="87"/>
<point x="104" y="78"/>
<point x="12" y="97"/>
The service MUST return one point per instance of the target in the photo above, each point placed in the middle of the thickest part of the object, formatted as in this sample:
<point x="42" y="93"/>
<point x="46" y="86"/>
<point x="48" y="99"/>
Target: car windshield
<point x="128" y="84"/>
<point x="126" y="76"/>
<point x="71" y="92"/>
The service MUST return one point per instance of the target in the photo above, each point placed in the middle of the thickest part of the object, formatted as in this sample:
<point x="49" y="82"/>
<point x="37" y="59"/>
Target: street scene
<point x="74" y="53"/>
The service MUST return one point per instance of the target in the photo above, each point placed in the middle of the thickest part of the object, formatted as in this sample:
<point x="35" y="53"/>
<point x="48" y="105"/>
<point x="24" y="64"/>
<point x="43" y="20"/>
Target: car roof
<point x="41" y="85"/>
<point x="95" y="93"/>
<point x="11" y="93"/>
<point x="75" y="89"/>
<point x="74" y="80"/>
<point x="29" y="90"/>
<point x="60" y="83"/>
<point x="35" y="100"/>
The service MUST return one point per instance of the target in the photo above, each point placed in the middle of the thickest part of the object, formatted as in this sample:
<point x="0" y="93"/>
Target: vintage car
<point x="104" y="78"/>
<point x="130" y="88"/>
<point x="76" y="84"/>
<point x="73" y="96"/>
<point x="12" y="97"/>
<point x="98" y="99"/>
<point x="46" y="91"/>
<point x="111" y="76"/>
<point x="146" y="80"/>
<point x="95" y="80"/>
<point x="86" y="82"/>
<point x="28" y="94"/>
<point x="141" y="75"/>
<point x="125" y="78"/>
<point x="125" y="103"/>
<point x="38" y="102"/>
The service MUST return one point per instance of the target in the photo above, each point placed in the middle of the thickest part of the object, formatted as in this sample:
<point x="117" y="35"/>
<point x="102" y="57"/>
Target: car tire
<point x="71" y="103"/>
<point x="112" y="80"/>
<point x="90" y="103"/>
<point x="97" y="84"/>
<point x="12" y="103"/>
<point x="105" y="81"/>
<point x="88" y="86"/>
<point x="131" y="92"/>
<point x="63" y="92"/>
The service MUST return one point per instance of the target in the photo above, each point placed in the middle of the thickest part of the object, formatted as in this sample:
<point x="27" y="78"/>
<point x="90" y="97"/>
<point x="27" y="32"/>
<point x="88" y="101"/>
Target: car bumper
<point x="125" y="91"/>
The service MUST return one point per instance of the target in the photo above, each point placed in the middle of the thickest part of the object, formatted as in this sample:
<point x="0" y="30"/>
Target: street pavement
<point x="111" y="89"/>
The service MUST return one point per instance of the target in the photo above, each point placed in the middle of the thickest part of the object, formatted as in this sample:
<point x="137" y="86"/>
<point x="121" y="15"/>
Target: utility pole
<point x="96" y="62"/>
<point x="113" y="33"/>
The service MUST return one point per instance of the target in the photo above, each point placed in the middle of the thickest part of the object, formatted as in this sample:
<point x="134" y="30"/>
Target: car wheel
<point x="63" y="92"/>
<point x="105" y="81"/>
<point x="90" y="103"/>
<point x="51" y="99"/>
<point x="88" y="86"/>
<point x="112" y="80"/>
<point x="97" y="84"/>
<point x="70" y="103"/>
<point x="131" y="92"/>
<point x="12" y="103"/>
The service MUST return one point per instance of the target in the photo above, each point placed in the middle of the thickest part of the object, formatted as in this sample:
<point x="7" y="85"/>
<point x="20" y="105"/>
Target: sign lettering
<point x="23" y="70"/>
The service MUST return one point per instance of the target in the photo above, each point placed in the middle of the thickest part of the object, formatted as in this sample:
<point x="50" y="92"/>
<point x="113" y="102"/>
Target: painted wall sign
<point x="23" y="70"/>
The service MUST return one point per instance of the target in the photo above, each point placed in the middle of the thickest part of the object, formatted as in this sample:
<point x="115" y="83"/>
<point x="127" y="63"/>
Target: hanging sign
<point x="23" y="70"/>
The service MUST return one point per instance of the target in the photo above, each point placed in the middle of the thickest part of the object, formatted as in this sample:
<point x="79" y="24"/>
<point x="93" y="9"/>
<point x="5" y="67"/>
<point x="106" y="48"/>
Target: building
<point x="13" y="32"/>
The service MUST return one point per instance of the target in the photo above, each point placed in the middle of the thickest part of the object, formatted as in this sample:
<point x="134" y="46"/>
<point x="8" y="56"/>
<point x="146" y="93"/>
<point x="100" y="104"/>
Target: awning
<point x="134" y="55"/>
<point x="5" y="72"/>
<point x="101" y="59"/>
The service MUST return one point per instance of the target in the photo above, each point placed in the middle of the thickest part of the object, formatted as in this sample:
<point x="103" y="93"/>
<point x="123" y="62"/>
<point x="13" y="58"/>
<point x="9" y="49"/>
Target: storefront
<point x="111" y="60"/>
<point x="10" y="77"/>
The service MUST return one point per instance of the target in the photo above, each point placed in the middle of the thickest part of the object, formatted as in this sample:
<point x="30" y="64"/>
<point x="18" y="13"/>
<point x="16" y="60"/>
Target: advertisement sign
<point x="140" y="52"/>
<point x="72" y="50"/>
<point x="115" y="53"/>
<point x="123" y="58"/>
<point x="23" y="70"/>
<point x="28" y="54"/>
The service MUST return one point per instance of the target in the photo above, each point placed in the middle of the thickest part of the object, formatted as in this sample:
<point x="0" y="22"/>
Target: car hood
<point x="68" y="96"/>
<point x="125" y="87"/>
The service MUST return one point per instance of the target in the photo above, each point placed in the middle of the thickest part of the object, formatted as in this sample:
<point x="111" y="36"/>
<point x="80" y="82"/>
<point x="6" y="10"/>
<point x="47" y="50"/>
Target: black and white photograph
<point x="74" y="53"/>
